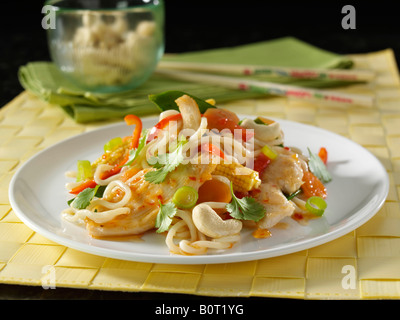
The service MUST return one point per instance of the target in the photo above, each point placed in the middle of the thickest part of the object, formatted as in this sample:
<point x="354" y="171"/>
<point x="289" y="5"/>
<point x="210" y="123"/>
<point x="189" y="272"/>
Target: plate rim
<point x="358" y="219"/>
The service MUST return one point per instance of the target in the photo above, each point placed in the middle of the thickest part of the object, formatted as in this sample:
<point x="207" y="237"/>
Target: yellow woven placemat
<point x="364" y="264"/>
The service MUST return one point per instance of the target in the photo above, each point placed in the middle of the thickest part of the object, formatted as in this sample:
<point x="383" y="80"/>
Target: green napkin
<point x="45" y="80"/>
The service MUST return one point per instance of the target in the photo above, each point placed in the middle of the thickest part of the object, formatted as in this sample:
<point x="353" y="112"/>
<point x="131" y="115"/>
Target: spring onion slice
<point x="84" y="170"/>
<point x="267" y="151"/>
<point x="316" y="205"/>
<point x="185" y="197"/>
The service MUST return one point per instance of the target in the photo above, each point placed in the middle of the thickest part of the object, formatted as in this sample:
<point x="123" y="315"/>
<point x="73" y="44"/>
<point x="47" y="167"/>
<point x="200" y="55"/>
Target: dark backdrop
<point x="196" y="25"/>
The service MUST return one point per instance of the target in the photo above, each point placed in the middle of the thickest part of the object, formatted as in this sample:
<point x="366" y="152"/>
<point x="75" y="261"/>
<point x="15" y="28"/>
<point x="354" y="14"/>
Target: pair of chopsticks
<point x="218" y="74"/>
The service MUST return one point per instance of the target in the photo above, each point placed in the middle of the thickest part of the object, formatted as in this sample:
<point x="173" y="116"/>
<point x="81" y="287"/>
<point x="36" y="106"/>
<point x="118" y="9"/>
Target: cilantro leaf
<point x="165" y="164"/>
<point x="99" y="193"/>
<point x="246" y="208"/>
<point x="133" y="154"/>
<point x="83" y="199"/>
<point x="318" y="168"/>
<point x="157" y="176"/>
<point x="164" y="216"/>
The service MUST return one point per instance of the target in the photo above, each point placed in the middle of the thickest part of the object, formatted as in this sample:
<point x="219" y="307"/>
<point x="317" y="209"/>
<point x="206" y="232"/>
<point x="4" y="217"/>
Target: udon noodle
<point x="235" y="174"/>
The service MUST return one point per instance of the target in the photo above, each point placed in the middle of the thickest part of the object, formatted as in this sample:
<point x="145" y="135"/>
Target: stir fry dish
<point x="198" y="177"/>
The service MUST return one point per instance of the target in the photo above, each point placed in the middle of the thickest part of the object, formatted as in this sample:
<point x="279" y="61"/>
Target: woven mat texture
<point x="371" y="252"/>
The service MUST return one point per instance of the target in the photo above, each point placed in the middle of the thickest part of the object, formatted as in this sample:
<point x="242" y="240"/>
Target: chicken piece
<point x="285" y="171"/>
<point x="276" y="205"/>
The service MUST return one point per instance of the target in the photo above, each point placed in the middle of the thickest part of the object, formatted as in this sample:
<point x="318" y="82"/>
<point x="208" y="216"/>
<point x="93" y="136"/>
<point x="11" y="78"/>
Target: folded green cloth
<point x="45" y="80"/>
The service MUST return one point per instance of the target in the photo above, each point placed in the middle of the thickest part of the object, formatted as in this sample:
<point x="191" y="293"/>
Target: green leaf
<point x="133" y="154"/>
<point x="291" y="196"/>
<point x="246" y="208"/>
<point x="318" y="168"/>
<point x="165" y="164"/>
<point x="83" y="199"/>
<point x="166" y="100"/>
<point x="99" y="193"/>
<point x="164" y="216"/>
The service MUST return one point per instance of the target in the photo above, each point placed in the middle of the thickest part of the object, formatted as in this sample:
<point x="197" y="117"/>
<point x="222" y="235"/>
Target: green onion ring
<point x="316" y="205"/>
<point x="185" y="197"/>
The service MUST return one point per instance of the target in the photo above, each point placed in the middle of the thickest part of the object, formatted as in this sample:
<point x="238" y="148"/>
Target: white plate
<point x="359" y="188"/>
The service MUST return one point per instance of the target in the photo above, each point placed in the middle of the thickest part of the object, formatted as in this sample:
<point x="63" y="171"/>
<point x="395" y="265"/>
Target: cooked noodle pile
<point x="197" y="178"/>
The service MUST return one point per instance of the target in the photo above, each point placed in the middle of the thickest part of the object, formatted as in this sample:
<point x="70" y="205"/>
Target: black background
<point x="195" y="25"/>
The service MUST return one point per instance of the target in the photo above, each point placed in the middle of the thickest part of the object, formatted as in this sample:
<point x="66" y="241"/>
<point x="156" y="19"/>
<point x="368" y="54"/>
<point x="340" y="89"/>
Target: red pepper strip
<point x="261" y="163"/>
<point x="131" y="119"/>
<point x="323" y="154"/>
<point x="210" y="148"/>
<point x="83" y="186"/>
<point x="162" y="124"/>
<point x="116" y="169"/>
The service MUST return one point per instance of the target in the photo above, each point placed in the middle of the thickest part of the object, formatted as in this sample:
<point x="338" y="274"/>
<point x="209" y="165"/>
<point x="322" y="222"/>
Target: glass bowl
<point x="107" y="46"/>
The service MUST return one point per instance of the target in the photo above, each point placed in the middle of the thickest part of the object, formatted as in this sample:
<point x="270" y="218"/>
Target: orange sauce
<point x="281" y="225"/>
<point x="261" y="233"/>
<point x="136" y="237"/>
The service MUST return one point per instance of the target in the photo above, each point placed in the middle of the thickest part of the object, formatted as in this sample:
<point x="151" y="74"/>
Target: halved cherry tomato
<point x="224" y="119"/>
<point x="312" y="186"/>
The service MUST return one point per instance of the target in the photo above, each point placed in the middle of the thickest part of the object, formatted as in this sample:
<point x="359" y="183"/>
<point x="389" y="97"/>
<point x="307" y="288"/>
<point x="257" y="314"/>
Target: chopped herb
<point x="291" y="196"/>
<point x="83" y="199"/>
<point x="164" y="216"/>
<point x="246" y="208"/>
<point x="165" y="164"/>
<point x="133" y="154"/>
<point x="318" y="168"/>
